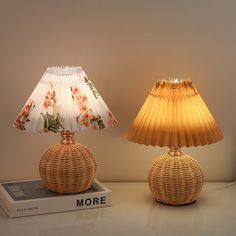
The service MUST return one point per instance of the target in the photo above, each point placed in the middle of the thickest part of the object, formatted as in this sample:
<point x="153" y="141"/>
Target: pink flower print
<point x="86" y="116"/>
<point x="45" y="105"/>
<point x="83" y="99"/>
<point x="83" y="108"/>
<point x="111" y="119"/>
<point x="24" y="116"/>
<point x="50" y="99"/>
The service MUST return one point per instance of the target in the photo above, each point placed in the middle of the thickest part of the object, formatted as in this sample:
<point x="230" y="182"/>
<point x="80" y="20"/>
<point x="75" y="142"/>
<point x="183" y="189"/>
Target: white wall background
<point x="124" y="46"/>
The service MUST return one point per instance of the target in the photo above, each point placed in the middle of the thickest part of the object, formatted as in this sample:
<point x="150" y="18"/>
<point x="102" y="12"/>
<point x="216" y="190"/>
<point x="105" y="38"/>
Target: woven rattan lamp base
<point x="175" y="178"/>
<point x="68" y="166"/>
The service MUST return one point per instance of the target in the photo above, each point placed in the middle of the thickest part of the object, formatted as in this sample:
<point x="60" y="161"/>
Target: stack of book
<point x="25" y="198"/>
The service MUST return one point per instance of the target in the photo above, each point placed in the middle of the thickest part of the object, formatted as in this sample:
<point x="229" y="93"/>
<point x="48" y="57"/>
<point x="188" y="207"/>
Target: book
<point x="29" y="197"/>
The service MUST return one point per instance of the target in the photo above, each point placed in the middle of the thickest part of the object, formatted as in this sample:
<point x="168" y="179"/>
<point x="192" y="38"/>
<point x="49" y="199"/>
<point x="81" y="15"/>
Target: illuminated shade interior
<point x="64" y="100"/>
<point x="174" y="115"/>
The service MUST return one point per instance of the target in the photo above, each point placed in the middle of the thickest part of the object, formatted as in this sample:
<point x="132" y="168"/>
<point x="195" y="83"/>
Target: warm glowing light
<point x="174" y="115"/>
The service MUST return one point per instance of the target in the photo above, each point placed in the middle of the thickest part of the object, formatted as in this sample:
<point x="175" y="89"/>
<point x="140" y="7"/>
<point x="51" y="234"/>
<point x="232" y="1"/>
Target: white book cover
<point x="29" y="197"/>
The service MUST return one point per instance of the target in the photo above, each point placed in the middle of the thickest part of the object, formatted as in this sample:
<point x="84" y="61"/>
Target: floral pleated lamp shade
<point x="64" y="100"/>
<point x="174" y="115"/>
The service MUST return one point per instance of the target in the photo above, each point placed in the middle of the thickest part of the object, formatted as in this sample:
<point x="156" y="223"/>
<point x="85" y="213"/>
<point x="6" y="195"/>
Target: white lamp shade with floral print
<point x="64" y="100"/>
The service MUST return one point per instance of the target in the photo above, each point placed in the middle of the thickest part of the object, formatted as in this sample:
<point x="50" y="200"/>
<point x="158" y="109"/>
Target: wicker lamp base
<point x="175" y="178"/>
<point x="68" y="166"/>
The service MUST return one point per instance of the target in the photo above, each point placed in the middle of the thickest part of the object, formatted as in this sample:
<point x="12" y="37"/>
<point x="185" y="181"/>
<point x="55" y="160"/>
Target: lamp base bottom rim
<point x="176" y="204"/>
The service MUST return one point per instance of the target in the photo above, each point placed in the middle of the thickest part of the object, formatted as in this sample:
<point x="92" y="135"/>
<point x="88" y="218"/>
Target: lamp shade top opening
<point x="64" y="100"/>
<point x="64" y="70"/>
<point x="174" y="115"/>
<point x="173" y="80"/>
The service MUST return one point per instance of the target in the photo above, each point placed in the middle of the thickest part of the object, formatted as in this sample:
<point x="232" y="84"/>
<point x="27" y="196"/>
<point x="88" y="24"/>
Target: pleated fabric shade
<point x="64" y="100"/>
<point x="174" y="115"/>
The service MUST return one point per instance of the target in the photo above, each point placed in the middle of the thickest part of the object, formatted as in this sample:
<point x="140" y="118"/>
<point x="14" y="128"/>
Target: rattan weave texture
<point x="175" y="180"/>
<point x="67" y="168"/>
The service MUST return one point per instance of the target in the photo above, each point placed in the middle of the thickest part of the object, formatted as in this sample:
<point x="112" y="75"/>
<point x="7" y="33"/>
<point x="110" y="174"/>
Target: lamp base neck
<point x="175" y="151"/>
<point x="67" y="137"/>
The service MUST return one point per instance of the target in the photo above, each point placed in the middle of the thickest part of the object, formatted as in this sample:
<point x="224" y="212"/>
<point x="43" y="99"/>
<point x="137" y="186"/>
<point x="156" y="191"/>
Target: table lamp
<point x="174" y="115"/>
<point x="65" y="101"/>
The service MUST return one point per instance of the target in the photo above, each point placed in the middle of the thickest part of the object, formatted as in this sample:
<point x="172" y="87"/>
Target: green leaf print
<point x="98" y="120"/>
<point x="92" y="88"/>
<point x="52" y="122"/>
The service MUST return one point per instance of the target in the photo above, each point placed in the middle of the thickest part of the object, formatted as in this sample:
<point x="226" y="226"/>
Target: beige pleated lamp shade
<point x="174" y="115"/>
<point x="64" y="100"/>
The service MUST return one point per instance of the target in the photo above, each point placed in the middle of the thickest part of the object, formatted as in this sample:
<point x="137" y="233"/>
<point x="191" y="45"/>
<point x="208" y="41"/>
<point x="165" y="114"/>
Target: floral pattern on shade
<point x="50" y="99"/>
<point x="111" y="119"/>
<point x="23" y="117"/>
<point x="91" y="87"/>
<point x="52" y="120"/>
<point x="86" y="116"/>
<point x="64" y="99"/>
